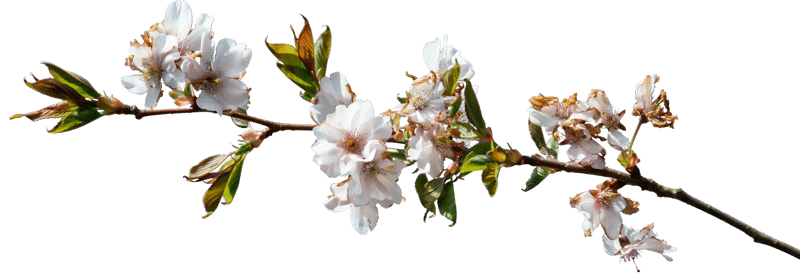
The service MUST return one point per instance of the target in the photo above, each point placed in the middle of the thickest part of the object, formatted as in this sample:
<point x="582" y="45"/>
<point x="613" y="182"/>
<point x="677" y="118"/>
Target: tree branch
<point x="273" y="126"/>
<point x="663" y="191"/>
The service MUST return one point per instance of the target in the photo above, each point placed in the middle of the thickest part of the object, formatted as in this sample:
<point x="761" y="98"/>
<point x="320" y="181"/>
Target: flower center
<point x="352" y="143"/>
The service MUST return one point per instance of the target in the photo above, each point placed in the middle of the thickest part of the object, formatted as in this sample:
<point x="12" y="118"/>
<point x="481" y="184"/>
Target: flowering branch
<point x="663" y="191"/>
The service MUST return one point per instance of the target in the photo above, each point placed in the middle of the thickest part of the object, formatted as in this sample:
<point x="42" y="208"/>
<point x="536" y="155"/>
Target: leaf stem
<point x="663" y="191"/>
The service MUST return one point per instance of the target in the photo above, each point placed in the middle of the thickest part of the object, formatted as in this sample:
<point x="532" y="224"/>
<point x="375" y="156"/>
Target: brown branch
<point x="663" y="191"/>
<point x="272" y="126"/>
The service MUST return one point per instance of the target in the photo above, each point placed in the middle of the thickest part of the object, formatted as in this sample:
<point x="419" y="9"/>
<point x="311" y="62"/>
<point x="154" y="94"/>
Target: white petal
<point x="178" y="19"/>
<point x="364" y="218"/>
<point x="617" y="140"/>
<point x="134" y="83"/>
<point x="153" y="94"/>
<point x="431" y="54"/>
<point x="234" y="93"/>
<point x="209" y="102"/>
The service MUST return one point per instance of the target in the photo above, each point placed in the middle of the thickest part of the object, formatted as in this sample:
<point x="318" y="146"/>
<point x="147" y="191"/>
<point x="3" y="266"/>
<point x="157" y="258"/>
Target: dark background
<point x="108" y="200"/>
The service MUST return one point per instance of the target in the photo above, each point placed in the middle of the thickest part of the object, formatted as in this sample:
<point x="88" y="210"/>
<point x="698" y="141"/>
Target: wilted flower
<point x="549" y="113"/>
<point x="425" y="101"/>
<point x="609" y="118"/>
<point x="344" y="137"/>
<point x="631" y="241"/>
<point x="333" y="91"/>
<point x="651" y="109"/>
<point x="218" y="75"/>
<point x="440" y="57"/>
<point x="429" y="146"/>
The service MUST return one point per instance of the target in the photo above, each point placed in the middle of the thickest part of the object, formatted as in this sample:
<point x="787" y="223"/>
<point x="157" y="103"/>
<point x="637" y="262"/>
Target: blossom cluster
<point x="579" y="124"/>
<point x="177" y="54"/>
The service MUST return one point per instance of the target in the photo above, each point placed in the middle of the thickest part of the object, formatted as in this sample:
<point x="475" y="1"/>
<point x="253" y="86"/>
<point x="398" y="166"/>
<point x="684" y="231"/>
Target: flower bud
<point x="253" y="137"/>
<point x="109" y="105"/>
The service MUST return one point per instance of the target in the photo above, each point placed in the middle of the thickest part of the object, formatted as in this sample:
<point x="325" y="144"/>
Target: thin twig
<point x="273" y="126"/>
<point x="663" y="191"/>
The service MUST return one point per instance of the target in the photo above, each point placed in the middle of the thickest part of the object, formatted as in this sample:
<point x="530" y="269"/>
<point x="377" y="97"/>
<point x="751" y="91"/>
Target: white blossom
<point x="601" y="208"/>
<point x="610" y="118"/>
<point x="218" y="75"/>
<point x="155" y="59"/>
<point x="178" y="22"/>
<point x="631" y="241"/>
<point x="333" y="91"/>
<point x="425" y="100"/>
<point x="644" y="96"/>
<point x="348" y="136"/>
<point x="440" y="57"/>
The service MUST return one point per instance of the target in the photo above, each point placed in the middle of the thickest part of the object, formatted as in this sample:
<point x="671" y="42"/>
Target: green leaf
<point x="244" y="149"/>
<point x="78" y="118"/>
<point x="450" y="79"/>
<point x="52" y="88"/>
<point x="322" y="49"/>
<point x="465" y="130"/>
<point x="286" y="54"/>
<point x="429" y="192"/>
<point x="72" y="80"/>
<point x="301" y="77"/>
<point x="552" y="148"/>
<point x="453" y="109"/>
<point x="473" y="108"/>
<point x="307" y="96"/>
<point x="447" y="203"/>
<point x="239" y="122"/>
<point x="476" y="158"/>
<point x="489" y="177"/>
<point x="206" y="166"/>
<point x="305" y="46"/>
<point x="538" y="175"/>
<point x="214" y="194"/>
<point x="537" y="135"/>
<point x="233" y="181"/>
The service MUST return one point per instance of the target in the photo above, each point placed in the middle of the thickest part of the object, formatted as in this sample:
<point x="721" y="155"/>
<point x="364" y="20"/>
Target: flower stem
<point x="630" y="147"/>
<point x="663" y="191"/>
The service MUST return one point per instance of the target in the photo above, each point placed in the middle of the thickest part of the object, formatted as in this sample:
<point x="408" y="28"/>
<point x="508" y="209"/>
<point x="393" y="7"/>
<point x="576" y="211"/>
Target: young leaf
<point x="206" y="166"/>
<point x="473" y="108"/>
<point x="429" y="192"/>
<point x="453" y="109"/>
<point x="447" y="203"/>
<point x="301" y="77"/>
<point x="286" y="54"/>
<point x="57" y="110"/>
<point x="239" y="122"/>
<point x="52" y="88"/>
<point x="72" y="80"/>
<point x="476" y="158"/>
<point x="552" y="148"/>
<point x="465" y="130"/>
<point x="233" y="181"/>
<point x="214" y="194"/>
<point x="305" y="46"/>
<point x="322" y="49"/>
<point x="538" y="175"/>
<point x="450" y="79"/>
<point x="489" y="177"/>
<point x="538" y="137"/>
<point x="76" y="119"/>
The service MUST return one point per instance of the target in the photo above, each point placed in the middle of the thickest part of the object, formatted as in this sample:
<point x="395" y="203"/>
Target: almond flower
<point x="440" y="57"/>
<point x="601" y="207"/>
<point x="218" y="75"/>
<point x="347" y="136"/>
<point x="631" y="241"/>
<point x="333" y="91"/>
<point x="363" y="218"/>
<point x="155" y="59"/>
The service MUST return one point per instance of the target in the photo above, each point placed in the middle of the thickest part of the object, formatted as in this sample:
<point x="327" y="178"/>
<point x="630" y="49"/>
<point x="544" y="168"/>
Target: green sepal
<point x="453" y="109"/>
<point x="538" y="175"/>
<point x="447" y="203"/>
<point x="473" y="108"/>
<point x="72" y="80"/>
<point x="476" y="158"/>
<point x="413" y="78"/>
<point x="77" y="118"/>
<point x="214" y="194"/>
<point x="233" y="180"/>
<point x="537" y="135"/>
<point x="489" y="177"/>
<point x="403" y="99"/>
<point x="322" y="49"/>
<point x="450" y="79"/>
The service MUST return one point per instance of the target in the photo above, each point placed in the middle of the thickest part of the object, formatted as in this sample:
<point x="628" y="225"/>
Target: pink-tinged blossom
<point x="333" y="91"/>
<point x="218" y="75"/>
<point x="644" y="96"/>
<point x="631" y="241"/>
<point x="347" y="136"/>
<point x="363" y="218"/>
<point x="610" y="118"/>
<point x="441" y="57"/>
<point x="155" y="59"/>
<point x="601" y="207"/>
<point x="429" y="146"/>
